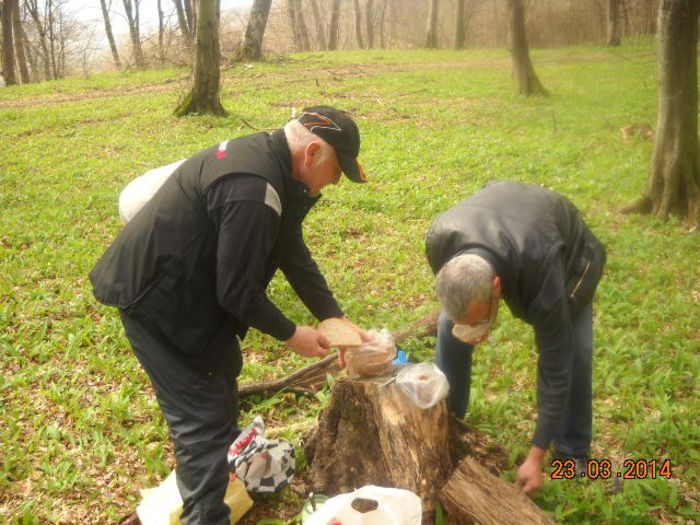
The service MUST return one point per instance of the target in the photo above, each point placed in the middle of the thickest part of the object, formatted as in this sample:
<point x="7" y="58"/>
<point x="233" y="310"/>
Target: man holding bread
<point x="189" y="274"/>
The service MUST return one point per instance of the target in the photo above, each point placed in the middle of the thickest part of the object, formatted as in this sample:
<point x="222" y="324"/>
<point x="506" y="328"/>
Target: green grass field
<point x="81" y="432"/>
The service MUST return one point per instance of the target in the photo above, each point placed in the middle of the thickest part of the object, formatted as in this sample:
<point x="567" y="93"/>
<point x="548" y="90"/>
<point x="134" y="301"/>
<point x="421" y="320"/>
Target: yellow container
<point x="163" y="505"/>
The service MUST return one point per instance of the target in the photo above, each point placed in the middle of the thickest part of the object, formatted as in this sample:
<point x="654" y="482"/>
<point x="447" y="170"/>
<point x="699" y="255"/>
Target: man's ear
<point x="310" y="151"/>
<point x="496" y="283"/>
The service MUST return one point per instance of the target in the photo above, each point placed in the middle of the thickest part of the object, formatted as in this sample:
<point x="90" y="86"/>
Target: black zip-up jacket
<point x="198" y="257"/>
<point x="549" y="263"/>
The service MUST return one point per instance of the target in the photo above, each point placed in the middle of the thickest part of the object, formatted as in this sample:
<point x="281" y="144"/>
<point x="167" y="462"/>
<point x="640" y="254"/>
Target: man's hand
<point x="363" y="335"/>
<point x="530" y="472"/>
<point x="309" y="342"/>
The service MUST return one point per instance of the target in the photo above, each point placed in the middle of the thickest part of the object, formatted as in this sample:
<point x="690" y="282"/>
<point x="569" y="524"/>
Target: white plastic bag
<point x="423" y="383"/>
<point x="390" y="507"/>
<point x="372" y="358"/>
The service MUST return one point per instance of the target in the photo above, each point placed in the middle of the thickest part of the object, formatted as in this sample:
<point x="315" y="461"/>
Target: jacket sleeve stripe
<point x="272" y="199"/>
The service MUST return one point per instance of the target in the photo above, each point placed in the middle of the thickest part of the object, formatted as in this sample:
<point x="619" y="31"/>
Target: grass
<point x="81" y="430"/>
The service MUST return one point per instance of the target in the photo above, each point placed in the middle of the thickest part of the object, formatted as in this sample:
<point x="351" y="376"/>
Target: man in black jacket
<point x="528" y="246"/>
<point x="189" y="274"/>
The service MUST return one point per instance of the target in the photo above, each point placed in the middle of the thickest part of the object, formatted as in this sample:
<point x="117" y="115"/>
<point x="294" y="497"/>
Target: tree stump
<point x="474" y="496"/>
<point x="371" y="433"/>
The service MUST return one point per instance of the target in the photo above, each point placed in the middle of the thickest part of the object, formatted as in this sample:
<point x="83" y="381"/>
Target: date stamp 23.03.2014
<point x="603" y="469"/>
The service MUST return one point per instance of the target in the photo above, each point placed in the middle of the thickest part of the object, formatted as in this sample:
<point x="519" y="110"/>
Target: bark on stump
<point x="474" y="496"/>
<point x="373" y="434"/>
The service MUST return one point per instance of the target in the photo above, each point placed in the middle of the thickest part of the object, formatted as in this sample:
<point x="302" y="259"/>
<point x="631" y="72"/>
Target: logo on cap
<point x="317" y="121"/>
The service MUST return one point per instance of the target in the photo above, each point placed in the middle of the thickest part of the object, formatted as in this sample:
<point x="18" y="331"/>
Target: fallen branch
<point x="312" y="377"/>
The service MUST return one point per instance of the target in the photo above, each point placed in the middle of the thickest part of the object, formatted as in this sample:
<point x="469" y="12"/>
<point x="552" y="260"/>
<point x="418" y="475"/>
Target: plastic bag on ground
<point x="162" y="505"/>
<point x="423" y="383"/>
<point x="370" y="505"/>
<point x="372" y="358"/>
<point x="264" y="465"/>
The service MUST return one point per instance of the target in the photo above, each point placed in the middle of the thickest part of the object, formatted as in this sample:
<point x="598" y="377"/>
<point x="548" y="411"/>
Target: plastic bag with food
<point x="423" y="383"/>
<point x="372" y="358"/>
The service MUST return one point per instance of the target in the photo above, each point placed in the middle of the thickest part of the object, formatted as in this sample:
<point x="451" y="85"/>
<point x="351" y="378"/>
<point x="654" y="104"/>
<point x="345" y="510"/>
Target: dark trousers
<point x="200" y="405"/>
<point x="573" y="436"/>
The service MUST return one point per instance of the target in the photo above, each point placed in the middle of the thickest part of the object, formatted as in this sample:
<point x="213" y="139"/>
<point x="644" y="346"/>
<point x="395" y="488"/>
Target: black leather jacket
<point x="549" y="263"/>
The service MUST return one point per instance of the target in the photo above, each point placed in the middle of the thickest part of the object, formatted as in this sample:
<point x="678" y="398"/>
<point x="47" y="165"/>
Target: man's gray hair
<point x="460" y="281"/>
<point x="300" y="137"/>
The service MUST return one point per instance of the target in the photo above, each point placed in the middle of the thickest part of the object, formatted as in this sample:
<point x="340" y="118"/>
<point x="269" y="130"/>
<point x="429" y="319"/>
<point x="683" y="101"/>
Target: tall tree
<point x="108" y="31"/>
<point x="133" y="18"/>
<point x="19" y="40"/>
<point x="382" y="36"/>
<point x="204" y="96"/>
<point x="318" y="21"/>
<point x="32" y="8"/>
<point x="613" y="25"/>
<point x="52" y="37"/>
<point x="296" y="20"/>
<point x="185" y="28"/>
<point x="161" y="32"/>
<point x="333" y="26"/>
<point x="251" y="48"/>
<point x="431" y="32"/>
<point x="8" y="47"/>
<point x="673" y="186"/>
<point x="528" y="83"/>
<point x="369" y="18"/>
<point x="460" y="26"/>
<point x="358" y="24"/>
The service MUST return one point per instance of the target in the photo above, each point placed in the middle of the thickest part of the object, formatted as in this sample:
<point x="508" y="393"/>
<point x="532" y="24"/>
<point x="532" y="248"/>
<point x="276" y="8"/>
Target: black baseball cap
<point x="340" y="131"/>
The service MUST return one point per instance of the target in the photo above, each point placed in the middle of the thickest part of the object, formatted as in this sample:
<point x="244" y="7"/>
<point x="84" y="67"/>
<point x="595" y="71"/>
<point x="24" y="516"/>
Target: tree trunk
<point x="52" y="40"/>
<point x="613" y="25"/>
<point x="8" y="48"/>
<point x="191" y="8"/>
<point x="431" y="32"/>
<point x="358" y="24"/>
<point x="61" y="61"/>
<point x="296" y="21"/>
<point x="251" y="49"/>
<point x="382" y="35"/>
<point x="301" y="24"/>
<point x="333" y="26"/>
<point x="528" y="83"/>
<point x="369" y="17"/>
<point x="185" y="28"/>
<point x="161" y="31"/>
<point x="460" y="33"/>
<point x="474" y="495"/>
<point x="33" y="8"/>
<point x="318" y="21"/>
<point x="110" y="35"/>
<point x="205" y="94"/>
<point x="19" y="38"/>
<point x="31" y="54"/>
<point x="132" y="16"/>
<point x="373" y="434"/>
<point x="674" y="181"/>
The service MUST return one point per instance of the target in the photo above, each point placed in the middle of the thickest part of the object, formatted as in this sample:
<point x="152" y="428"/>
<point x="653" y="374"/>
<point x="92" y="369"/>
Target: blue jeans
<point x="573" y="436"/>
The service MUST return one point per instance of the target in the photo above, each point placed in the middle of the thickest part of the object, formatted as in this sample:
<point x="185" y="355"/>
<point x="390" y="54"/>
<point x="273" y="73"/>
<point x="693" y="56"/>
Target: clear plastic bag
<point x="372" y="358"/>
<point x="423" y="383"/>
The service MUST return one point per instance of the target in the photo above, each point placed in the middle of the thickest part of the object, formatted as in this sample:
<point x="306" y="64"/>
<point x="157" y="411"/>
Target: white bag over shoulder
<point x="140" y="190"/>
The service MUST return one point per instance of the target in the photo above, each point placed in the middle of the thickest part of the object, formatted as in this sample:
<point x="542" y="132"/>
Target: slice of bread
<point x="340" y="333"/>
